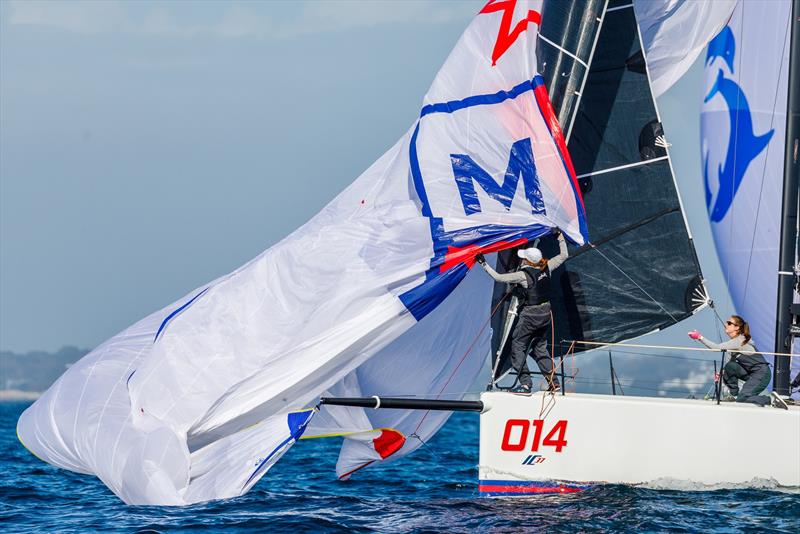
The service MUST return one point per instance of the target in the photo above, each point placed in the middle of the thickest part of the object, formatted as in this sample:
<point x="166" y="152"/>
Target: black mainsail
<point x="640" y="273"/>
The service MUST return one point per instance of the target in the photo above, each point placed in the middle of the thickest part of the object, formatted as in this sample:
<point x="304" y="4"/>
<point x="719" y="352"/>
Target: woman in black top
<point x="533" y="280"/>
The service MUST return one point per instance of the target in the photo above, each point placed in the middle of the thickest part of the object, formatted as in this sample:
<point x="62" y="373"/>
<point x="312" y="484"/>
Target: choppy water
<point x="433" y="490"/>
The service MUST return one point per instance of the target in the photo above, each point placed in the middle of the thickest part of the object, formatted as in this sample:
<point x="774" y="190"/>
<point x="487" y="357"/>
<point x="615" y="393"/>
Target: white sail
<point x="675" y="33"/>
<point x="743" y="125"/>
<point x="198" y="400"/>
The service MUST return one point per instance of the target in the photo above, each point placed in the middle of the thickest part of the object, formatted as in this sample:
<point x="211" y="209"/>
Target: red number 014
<point x="554" y="438"/>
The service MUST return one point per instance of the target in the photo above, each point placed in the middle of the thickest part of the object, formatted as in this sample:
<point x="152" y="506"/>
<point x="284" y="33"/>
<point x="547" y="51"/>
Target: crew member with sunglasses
<point x="746" y="364"/>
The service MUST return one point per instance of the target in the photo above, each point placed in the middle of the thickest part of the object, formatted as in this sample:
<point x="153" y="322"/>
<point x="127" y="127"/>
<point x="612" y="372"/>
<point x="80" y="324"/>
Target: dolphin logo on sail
<point x="743" y="144"/>
<point x="722" y="46"/>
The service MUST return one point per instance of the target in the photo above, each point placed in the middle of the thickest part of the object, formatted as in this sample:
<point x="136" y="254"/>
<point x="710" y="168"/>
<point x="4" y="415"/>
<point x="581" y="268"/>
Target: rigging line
<point x="630" y="382"/>
<point x="764" y="168"/>
<point x="469" y="349"/>
<point x="606" y="344"/>
<point x="429" y="449"/>
<point x="624" y="230"/>
<point x="735" y="152"/>
<point x="716" y="325"/>
<point x="634" y="283"/>
<point x="622" y="167"/>
<point x="563" y="50"/>
<point x="652" y="355"/>
<point x="667" y="356"/>
<point x="617" y="8"/>
<point x="589" y="382"/>
<point x="714" y="309"/>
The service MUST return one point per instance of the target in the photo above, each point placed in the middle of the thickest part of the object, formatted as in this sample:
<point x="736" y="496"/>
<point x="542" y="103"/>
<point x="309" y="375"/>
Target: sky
<point x="149" y="147"/>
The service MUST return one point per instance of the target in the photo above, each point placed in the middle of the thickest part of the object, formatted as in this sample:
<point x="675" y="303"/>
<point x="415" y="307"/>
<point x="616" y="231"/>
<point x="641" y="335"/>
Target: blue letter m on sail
<point x="520" y="162"/>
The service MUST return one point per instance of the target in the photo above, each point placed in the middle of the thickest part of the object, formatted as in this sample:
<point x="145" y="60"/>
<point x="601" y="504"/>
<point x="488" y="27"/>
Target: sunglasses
<point x="731" y="323"/>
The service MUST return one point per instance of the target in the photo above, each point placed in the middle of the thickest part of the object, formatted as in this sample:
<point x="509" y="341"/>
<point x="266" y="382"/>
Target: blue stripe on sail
<point x="176" y="312"/>
<point x="297" y="422"/>
<point x="482" y="100"/>
<point x="423" y="299"/>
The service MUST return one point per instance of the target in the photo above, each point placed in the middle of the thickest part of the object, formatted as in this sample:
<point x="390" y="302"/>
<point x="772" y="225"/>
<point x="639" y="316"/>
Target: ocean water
<point x="432" y="490"/>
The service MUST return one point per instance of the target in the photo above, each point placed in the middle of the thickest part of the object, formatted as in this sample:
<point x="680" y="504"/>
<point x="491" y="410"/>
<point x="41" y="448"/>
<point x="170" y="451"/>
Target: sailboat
<point x="374" y="303"/>
<point x="595" y="67"/>
<point x="562" y="443"/>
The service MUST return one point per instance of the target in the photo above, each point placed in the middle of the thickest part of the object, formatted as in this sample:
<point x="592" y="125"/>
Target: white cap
<point x="533" y="254"/>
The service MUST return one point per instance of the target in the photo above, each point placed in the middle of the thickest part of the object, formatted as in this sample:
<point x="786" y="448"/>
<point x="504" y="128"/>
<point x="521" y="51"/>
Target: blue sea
<point x="432" y="490"/>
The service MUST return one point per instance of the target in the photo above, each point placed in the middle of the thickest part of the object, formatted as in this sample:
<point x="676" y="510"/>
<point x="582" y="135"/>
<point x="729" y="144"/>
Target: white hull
<point x="632" y="440"/>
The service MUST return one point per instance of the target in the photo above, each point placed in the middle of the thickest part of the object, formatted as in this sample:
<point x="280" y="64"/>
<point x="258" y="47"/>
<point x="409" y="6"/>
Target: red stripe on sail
<point x="388" y="443"/>
<point x="546" y="107"/>
<point x="466" y="255"/>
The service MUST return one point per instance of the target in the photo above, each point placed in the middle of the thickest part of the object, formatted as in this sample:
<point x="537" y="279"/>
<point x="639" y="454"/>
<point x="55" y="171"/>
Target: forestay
<point x="200" y="399"/>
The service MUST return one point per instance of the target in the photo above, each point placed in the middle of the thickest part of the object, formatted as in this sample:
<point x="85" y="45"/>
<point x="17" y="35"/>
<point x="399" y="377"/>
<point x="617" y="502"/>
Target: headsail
<point x="640" y="273"/>
<point x="743" y="132"/>
<point x="675" y="33"/>
<point x="198" y="400"/>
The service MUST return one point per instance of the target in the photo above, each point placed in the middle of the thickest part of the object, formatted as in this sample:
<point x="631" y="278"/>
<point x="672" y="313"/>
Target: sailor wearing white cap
<point x="533" y="281"/>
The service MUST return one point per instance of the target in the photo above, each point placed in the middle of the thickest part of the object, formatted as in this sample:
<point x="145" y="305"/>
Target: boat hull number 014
<point x="518" y="431"/>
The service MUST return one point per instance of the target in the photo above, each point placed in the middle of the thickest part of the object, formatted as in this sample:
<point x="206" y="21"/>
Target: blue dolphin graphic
<point x="743" y="146"/>
<point x="722" y="46"/>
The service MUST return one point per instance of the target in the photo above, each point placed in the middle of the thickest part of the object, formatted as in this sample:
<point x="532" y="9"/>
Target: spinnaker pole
<point x="405" y="404"/>
<point x="788" y="245"/>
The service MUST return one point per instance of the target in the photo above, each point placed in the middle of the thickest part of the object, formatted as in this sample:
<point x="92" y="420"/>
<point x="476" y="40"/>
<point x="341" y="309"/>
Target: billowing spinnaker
<point x="743" y="134"/>
<point x="675" y="32"/>
<point x="205" y="393"/>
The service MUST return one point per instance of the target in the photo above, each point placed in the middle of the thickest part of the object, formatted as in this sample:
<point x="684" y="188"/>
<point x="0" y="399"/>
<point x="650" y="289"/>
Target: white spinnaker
<point x="743" y="125"/>
<point x="675" y="33"/>
<point x="446" y="357"/>
<point x="196" y="401"/>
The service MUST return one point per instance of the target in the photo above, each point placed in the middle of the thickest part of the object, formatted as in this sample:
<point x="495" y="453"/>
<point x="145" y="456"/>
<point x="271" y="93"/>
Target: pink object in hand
<point x="694" y="334"/>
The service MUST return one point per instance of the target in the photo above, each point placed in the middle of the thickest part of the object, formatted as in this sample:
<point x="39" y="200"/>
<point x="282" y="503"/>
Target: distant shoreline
<point x="10" y="395"/>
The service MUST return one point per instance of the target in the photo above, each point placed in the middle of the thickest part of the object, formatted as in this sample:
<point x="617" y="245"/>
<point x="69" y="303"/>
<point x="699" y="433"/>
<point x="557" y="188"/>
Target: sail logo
<point x="743" y="145"/>
<point x="506" y="36"/>
<point x="466" y="159"/>
<point x="520" y="163"/>
<point x="533" y="459"/>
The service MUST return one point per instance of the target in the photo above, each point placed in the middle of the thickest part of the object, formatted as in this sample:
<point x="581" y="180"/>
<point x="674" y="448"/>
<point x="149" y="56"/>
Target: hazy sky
<point x="149" y="147"/>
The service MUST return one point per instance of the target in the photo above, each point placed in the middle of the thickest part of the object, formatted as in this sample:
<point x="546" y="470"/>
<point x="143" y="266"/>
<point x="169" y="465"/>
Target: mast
<point x="788" y="245"/>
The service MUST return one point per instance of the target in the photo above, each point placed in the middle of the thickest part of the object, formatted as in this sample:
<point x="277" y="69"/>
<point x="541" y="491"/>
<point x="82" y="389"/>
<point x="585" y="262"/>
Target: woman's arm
<point x="731" y="344"/>
<point x="563" y="253"/>
<point x="517" y="277"/>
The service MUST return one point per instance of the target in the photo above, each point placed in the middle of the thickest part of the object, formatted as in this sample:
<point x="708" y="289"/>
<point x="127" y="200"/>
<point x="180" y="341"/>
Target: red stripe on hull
<point x="527" y="489"/>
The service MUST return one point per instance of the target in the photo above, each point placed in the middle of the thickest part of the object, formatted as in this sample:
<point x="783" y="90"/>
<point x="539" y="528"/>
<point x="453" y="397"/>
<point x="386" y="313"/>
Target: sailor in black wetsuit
<point x="532" y="283"/>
